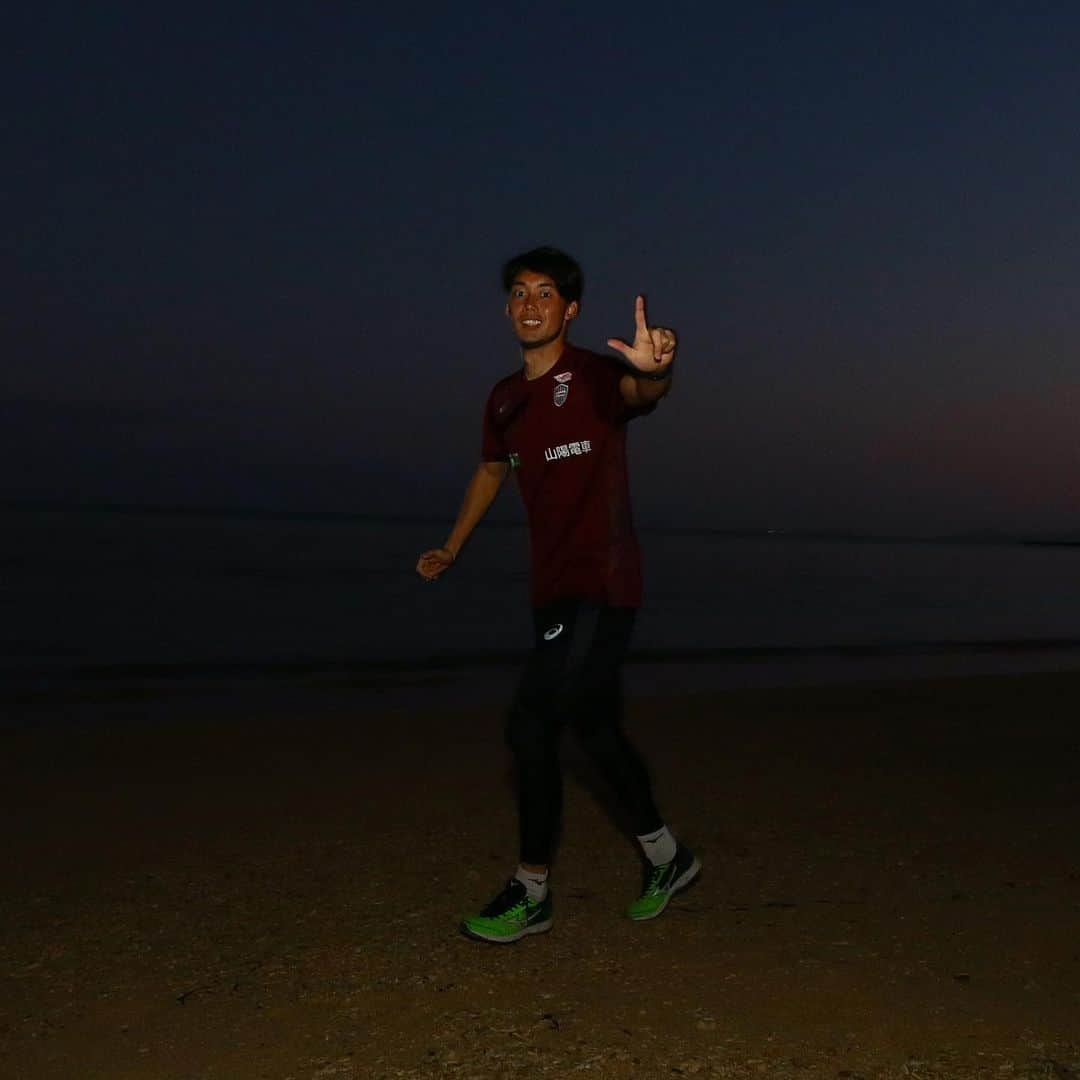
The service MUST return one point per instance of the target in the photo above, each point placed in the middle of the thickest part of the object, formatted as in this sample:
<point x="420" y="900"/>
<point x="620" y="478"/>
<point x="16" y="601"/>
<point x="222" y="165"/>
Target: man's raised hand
<point x="653" y="348"/>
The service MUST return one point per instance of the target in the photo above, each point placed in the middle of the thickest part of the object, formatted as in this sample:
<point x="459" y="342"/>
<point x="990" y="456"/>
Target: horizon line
<point x="1061" y="537"/>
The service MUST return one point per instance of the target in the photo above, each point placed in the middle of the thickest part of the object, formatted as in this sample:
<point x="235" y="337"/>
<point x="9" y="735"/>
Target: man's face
<point x="538" y="314"/>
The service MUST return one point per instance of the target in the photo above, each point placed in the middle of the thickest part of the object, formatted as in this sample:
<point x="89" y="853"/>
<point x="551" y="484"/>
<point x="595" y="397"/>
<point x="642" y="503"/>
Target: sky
<point x="252" y="251"/>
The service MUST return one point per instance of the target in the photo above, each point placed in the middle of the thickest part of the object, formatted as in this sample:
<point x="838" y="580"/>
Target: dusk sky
<point x="251" y="252"/>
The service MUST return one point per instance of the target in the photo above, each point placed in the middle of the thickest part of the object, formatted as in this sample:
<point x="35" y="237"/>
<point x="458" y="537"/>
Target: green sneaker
<point x="510" y="916"/>
<point x="662" y="882"/>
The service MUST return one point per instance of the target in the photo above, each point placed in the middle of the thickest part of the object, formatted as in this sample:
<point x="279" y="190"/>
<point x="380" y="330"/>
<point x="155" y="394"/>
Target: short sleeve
<point x="504" y="405"/>
<point x="492" y="446"/>
<point x="607" y="373"/>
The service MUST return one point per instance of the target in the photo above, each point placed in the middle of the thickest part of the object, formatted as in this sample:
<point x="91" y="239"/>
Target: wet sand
<point x="891" y="887"/>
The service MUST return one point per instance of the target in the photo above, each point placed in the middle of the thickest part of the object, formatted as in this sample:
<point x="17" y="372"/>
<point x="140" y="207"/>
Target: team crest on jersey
<point x="562" y="392"/>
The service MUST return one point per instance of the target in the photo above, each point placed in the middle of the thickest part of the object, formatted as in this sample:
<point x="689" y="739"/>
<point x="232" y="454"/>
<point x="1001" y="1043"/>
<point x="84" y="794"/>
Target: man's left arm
<point x="650" y="357"/>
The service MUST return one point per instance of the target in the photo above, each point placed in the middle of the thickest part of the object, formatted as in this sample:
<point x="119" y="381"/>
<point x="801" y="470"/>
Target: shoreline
<point x="465" y="680"/>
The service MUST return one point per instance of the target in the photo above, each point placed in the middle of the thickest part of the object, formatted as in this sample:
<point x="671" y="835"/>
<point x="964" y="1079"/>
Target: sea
<point x="136" y="611"/>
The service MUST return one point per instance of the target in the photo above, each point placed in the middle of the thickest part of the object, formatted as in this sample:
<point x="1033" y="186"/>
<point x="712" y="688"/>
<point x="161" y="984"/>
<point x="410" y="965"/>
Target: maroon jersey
<point x="564" y="436"/>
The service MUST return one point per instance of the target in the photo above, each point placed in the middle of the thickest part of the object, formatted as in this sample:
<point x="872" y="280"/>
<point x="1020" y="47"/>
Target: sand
<point x="891" y="887"/>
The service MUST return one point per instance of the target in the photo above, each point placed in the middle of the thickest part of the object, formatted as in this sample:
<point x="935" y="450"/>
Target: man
<point x="559" y="424"/>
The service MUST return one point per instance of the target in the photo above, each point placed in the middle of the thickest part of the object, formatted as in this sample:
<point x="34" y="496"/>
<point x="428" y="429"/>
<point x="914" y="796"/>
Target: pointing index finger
<point x="639" y="314"/>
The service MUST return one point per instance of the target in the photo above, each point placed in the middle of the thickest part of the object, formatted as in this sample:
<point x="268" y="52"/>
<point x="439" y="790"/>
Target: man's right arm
<point x="479" y="495"/>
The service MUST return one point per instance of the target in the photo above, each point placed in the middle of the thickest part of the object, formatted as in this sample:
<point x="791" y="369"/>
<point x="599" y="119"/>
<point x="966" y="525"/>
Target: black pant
<point x="572" y="675"/>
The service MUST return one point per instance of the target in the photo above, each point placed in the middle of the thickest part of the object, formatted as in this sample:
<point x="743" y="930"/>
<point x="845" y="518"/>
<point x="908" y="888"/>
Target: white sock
<point x="535" y="884"/>
<point x="659" y="846"/>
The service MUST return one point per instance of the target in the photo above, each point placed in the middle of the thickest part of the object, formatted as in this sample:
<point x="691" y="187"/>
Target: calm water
<point x="93" y="598"/>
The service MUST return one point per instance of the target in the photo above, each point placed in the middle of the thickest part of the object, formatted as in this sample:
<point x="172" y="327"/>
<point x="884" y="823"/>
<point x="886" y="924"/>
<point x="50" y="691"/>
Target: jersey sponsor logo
<point x="562" y="392"/>
<point x="564" y="376"/>
<point x="568" y="450"/>
<point x="554" y="632"/>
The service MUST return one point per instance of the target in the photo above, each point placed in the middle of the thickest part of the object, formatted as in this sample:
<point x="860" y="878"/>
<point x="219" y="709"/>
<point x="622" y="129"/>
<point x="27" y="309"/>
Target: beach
<point x="891" y="887"/>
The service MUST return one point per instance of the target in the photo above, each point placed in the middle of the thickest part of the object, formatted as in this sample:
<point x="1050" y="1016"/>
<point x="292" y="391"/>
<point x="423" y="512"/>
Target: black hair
<point x="560" y="267"/>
